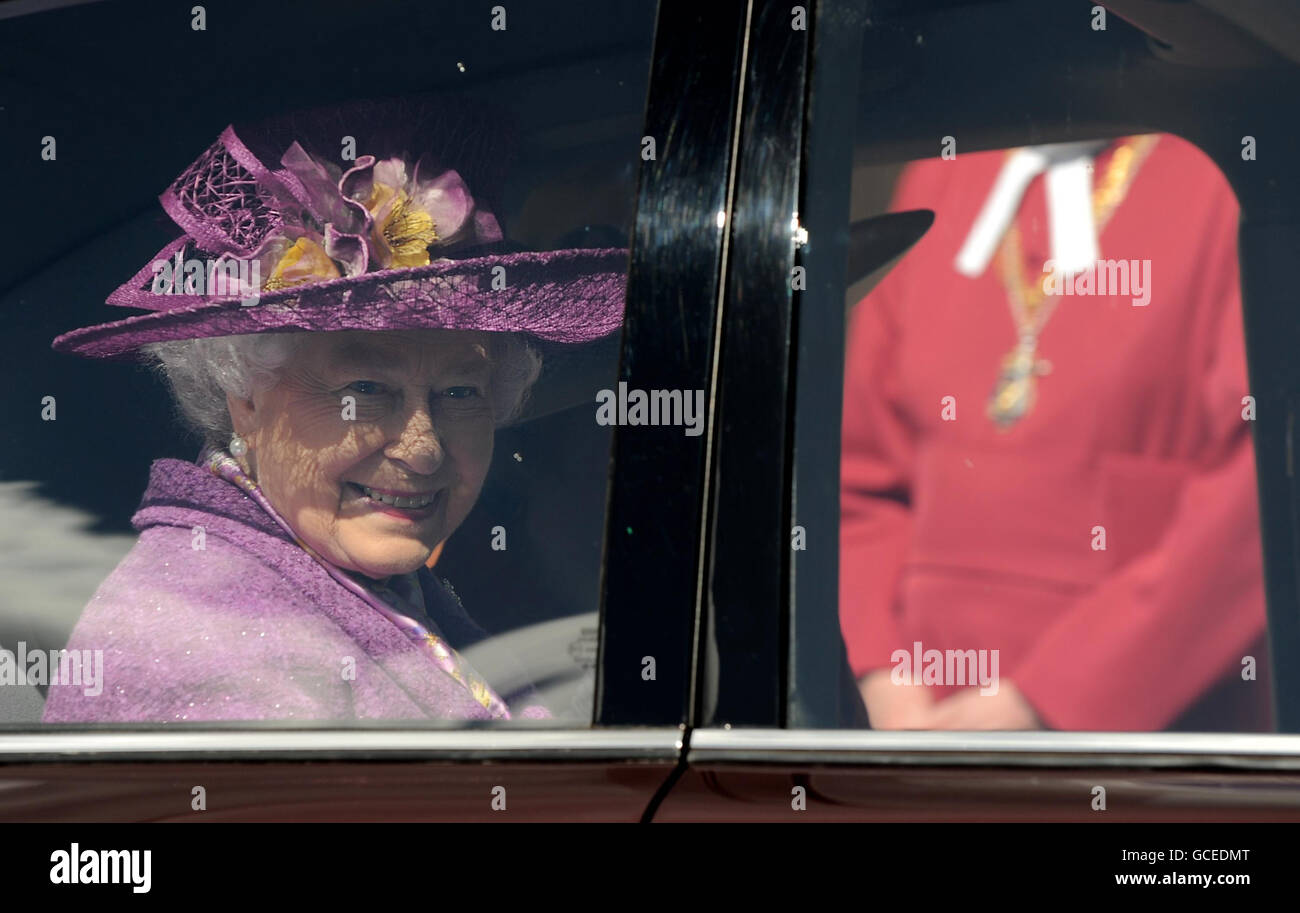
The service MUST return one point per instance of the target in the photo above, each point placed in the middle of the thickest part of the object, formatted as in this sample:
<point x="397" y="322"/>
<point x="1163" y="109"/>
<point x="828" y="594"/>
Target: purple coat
<point x="249" y="627"/>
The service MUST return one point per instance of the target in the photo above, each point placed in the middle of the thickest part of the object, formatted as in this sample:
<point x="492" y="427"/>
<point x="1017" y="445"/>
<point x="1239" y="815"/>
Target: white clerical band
<point x="1069" y="206"/>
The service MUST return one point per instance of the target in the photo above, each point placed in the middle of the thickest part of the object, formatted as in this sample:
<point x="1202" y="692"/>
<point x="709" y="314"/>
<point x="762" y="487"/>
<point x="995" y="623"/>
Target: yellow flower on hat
<point x="401" y="234"/>
<point x="304" y="261"/>
<point x="379" y="215"/>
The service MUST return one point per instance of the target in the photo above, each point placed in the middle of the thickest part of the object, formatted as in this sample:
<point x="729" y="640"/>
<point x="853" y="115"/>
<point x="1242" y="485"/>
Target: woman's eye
<point x="465" y="392"/>
<point x="366" y="387"/>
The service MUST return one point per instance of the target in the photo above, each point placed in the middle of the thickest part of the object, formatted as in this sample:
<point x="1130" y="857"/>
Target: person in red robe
<point x="1066" y="479"/>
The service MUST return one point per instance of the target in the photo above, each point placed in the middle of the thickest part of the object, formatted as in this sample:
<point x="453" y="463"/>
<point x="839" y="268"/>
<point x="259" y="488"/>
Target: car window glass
<point x="1048" y="503"/>
<point x="1048" y="485"/>
<point x="415" y="231"/>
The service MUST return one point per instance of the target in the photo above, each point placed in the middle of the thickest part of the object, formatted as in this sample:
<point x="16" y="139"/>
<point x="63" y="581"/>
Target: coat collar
<point x="178" y="485"/>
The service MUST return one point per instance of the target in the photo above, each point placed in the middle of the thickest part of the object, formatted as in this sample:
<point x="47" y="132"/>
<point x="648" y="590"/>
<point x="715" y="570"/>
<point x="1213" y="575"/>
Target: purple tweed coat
<point x="250" y="627"/>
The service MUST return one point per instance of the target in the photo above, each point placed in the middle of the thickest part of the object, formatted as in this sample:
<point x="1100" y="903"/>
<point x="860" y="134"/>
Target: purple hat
<point x="375" y="244"/>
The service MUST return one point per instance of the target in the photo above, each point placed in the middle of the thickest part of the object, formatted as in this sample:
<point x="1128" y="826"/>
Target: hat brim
<point x="566" y="296"/>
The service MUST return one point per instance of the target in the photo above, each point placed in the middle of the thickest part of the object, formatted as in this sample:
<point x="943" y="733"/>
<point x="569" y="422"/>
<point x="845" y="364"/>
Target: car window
<point x="1048" y="511"/>
<point x="337" y="447"/>
<point x="1079" y="532"/>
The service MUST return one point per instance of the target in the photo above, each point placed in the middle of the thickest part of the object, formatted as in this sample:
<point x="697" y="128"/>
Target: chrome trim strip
<point x="344" y="744"/>
<point x="751" y="746"/>
<point x="1005" y="749"/>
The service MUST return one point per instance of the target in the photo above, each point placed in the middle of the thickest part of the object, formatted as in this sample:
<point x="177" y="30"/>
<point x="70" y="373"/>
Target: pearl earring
<point x="238" y="447"/>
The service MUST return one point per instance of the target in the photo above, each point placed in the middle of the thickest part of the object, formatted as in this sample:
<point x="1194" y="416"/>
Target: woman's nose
<point x="417" y="443"/>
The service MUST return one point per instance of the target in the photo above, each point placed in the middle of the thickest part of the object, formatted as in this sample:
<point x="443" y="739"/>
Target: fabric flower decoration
<point x="370" y="218"/>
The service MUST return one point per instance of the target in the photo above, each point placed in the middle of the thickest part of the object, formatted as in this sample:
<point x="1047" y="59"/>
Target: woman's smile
<point x="414" y="506"/>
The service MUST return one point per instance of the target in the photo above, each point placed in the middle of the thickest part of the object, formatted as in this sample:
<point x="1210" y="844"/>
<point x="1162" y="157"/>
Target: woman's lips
<point x="366" y="497"/>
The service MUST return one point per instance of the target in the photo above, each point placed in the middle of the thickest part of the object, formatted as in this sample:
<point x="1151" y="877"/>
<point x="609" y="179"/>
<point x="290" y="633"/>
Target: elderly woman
<point x="350" y="338"/>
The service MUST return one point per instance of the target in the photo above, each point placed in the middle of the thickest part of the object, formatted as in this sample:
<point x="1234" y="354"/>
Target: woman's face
<point x="360" y="419"/>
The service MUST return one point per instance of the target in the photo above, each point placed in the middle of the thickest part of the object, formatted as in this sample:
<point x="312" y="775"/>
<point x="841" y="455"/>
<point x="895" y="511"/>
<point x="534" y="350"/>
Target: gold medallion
<point x="1017" y="385"/>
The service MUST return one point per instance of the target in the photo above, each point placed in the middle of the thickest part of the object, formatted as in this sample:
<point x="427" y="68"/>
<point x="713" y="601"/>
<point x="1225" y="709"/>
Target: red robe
<point x="962" y="536"/>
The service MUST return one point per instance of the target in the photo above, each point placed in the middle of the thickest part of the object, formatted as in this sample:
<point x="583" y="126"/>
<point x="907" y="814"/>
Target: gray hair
<point x="201" y="372"/>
